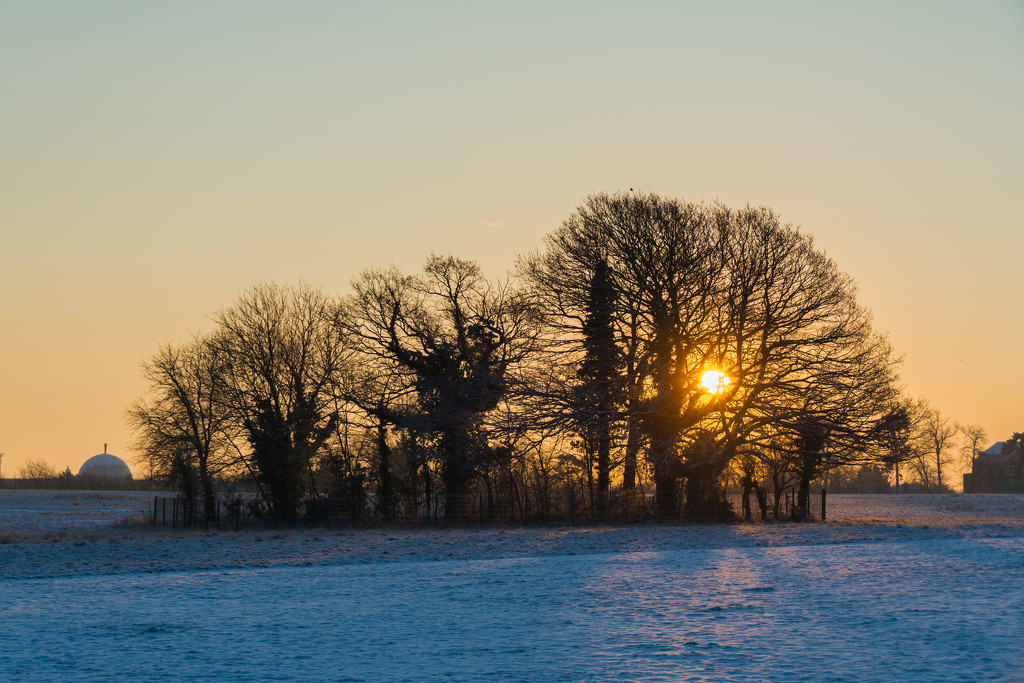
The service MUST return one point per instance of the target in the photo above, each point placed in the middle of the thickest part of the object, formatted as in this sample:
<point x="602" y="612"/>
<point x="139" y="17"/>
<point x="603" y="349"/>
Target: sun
<point x="714" y="381"/>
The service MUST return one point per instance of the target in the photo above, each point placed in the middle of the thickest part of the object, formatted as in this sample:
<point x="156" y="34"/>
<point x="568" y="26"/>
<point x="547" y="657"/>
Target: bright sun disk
<point x="714" y="381"/>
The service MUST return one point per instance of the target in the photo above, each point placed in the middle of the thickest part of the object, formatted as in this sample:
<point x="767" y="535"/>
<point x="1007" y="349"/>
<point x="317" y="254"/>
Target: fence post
<point x="174" y="512"/>
<point x="823" y="504"/>
<point x="156" y="499"/>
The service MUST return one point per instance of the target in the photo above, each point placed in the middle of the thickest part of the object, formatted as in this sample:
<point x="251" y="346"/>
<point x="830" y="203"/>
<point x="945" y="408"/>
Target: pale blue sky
<point x="158" y="158"/>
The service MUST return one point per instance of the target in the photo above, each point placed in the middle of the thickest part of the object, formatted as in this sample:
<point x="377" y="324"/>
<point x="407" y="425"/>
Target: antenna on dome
<point x="104" y="449"/>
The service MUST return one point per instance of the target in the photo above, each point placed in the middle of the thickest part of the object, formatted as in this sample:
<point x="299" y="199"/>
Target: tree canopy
<point x="588" y="372"/>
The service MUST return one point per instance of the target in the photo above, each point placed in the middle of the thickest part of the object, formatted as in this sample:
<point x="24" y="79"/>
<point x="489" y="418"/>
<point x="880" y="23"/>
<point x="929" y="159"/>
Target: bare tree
<point x="287" y="359"/>
<point x="185" y="427"/>
<point x="662" y="270"/>
<point x="37" y="469"/>
<point x="896" y="435"/>
<point x="973" y="437"/>
<point x="381" y="393"/>
<point x="705" y="288"/>
<point x="938" y="433"/>
<point x="806" y="367"/>
<point x="455" y="338"/>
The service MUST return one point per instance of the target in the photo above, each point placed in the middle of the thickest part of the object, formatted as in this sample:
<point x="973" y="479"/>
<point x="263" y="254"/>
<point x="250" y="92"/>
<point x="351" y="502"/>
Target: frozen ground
<point x="915" y="588"/>
<point x="31" y="513"/>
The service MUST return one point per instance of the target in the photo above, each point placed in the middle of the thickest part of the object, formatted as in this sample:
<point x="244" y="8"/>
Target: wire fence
<point x="193" y="513"/>
<point x="784" y="506"/>
<point x="240" y="511"/>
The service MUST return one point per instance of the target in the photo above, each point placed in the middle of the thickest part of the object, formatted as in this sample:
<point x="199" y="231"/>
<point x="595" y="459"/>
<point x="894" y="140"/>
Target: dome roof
<point x="104" y="465"/>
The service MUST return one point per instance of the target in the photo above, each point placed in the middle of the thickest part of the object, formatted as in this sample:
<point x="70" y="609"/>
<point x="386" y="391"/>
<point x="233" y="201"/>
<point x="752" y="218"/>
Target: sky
<point x="157" y="159"/>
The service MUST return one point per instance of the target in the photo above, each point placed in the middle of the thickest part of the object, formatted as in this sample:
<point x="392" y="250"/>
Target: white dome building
<point x="105" y="465"/>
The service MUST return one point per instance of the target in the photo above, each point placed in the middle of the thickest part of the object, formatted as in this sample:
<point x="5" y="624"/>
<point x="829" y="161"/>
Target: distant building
<point x="997" y="469"/>
<point x="105" y="465"/>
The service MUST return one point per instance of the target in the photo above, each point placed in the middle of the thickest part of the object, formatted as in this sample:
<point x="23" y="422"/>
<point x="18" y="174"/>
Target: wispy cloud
<point x="486" y="224"/>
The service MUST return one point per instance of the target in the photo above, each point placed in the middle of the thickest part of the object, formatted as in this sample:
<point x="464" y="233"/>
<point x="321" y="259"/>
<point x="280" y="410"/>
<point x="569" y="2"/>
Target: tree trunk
<point x="209" y="496"/>
<point x="591" y="497"/>
<point x="666" y="497"/>
<point x="456" y="492"/>
<point x="701" y="499"/>
<point x="803" y="495"/>
<point x="808" y="466"/>
<point x="634" y="436"/>
<point x="762" y="501"/>
<point x="385" y="490"/>
<point x="777" y="502"/>
<point x="748" y="487"/>
<point x="634" y="423"/>
<point x="490" y="498"/>
<point x="604" y="458"/>
<point x="663" y="434"/>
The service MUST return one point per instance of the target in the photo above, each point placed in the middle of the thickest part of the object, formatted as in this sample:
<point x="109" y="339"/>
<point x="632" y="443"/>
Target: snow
<point x="916" y="588"/>
<point x="27" y="513"/>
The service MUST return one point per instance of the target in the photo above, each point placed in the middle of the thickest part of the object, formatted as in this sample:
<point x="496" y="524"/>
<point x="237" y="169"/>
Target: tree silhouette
<point x="454" y="337"/>
<point x="600" y="391"/>
<point x="287" y="360"/>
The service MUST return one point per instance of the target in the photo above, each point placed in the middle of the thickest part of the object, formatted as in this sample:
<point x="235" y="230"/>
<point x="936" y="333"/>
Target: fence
<point x="479" y="508"/>
<point x="568" y="506"/>
<point x="782" y="506"/>
<point x="191" y="513"/>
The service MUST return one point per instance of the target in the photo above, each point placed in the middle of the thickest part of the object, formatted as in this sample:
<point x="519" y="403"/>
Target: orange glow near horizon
<point x="158" y="145"/>
<point x="714" y="381"/>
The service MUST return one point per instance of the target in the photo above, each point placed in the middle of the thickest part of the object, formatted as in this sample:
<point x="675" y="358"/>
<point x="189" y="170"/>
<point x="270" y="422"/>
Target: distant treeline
<point x="85" y="483"/>
<point x="652" y="354"/>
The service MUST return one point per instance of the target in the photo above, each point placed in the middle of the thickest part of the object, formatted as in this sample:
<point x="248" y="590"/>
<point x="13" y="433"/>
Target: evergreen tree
<point x="600" y="391"/>
<point x="280" y="471"/>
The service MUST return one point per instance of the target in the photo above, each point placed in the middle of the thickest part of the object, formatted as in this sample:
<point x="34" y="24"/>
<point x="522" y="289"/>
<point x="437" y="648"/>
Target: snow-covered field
<point x="917" y="588"/>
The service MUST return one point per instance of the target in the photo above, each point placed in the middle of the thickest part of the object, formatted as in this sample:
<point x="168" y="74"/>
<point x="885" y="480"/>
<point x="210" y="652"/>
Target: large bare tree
<point x="803" y="362"/>
<point x="456" y="338"/>
<point x="663" y="272"/>
<point x="185" y="426"/>
<point x="706" y="288"/>
<point x="287" y="360"/>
